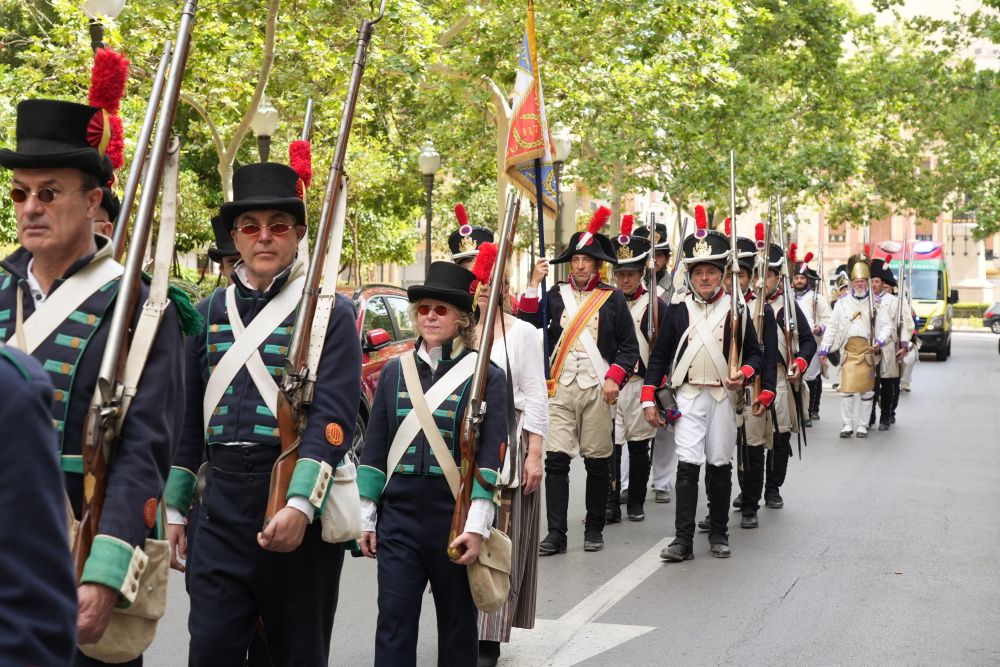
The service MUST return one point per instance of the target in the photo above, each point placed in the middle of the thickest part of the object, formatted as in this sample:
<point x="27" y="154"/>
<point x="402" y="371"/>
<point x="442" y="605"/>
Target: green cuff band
<point x="477" y="489"/>
<point x="72" y="463"/>
<point x="109" y="562"/>
<point x="371" y="481"/>
<point x="180" y="489"/>
<point x="311" y="480"/>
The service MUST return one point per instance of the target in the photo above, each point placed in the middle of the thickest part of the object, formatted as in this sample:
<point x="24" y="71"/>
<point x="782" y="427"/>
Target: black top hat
<point x="711" y="247"/>
<point x="110" y="203"/>
<point x="631" y="252"/>
<point x="263" y="187"/>
<point x="446" y="282"/>
<point x="467" y="244"/>
<point x="662" y="239"/>
<point x="224" y="244"/>
<point x="597" y="246"/>
<point x="56" y="134"/>
<point x="746" y="253"/>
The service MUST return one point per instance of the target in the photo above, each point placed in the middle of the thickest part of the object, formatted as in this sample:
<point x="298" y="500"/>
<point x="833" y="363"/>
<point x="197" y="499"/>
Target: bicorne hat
<point x="448" y="282"/>
<point x="53" y="134"/>
<point x="880" y="269"/>
<point x="591" y="242"/>
<point x="264" y="186"/>
<point x="662" y="241"/>
<point x="224" y="244"/>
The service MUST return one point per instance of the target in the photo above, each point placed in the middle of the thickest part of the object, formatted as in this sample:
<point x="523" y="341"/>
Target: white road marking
<point x="576" y="636"/>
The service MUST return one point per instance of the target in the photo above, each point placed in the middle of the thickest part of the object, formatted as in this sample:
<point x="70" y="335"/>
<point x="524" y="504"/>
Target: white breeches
<point x="856" y="410"/>
<point x="664" y="461"/>
<point x="706" y="430"/>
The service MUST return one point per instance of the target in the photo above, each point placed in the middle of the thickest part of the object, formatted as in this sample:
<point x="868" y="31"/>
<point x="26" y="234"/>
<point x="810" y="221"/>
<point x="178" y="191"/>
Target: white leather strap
<point x="637" y="309"/>
<point x="435" y="396"/>
<point x="429" y="426"/>
<point x="587" y="340"/>
<point x="247" y="344"/>
<point x="263" y="380"/>
<point x="62" y="302"/>
<point x="703" y="325"/>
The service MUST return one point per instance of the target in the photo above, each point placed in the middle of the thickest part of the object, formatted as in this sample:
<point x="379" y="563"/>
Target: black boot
<point x="815" y="392"/>
<point x="885" y="398"/>
<point x="895" y="400"/>
<point x="598" y="474"/>
<point x="719" y="488"/>
<point x="489" y="653"/>
<point x="613" y="513"/>
<point x="777" y="466"/>
<point x="753" y="484"/>
<point x="685" y="508"/>
<point x="638" y="477"/>
<point x="556" y="503"/>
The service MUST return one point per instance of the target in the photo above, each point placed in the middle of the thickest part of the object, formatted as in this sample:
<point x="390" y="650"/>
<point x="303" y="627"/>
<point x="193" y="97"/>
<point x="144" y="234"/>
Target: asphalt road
<point x="886" y="553"/>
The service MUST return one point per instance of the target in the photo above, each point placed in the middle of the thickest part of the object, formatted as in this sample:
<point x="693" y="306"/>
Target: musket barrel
<point x="307" y="124"/>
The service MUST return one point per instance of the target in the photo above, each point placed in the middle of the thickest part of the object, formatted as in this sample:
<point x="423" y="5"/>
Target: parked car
<point x="386" y="332"/>
<point x="991" y="318"/>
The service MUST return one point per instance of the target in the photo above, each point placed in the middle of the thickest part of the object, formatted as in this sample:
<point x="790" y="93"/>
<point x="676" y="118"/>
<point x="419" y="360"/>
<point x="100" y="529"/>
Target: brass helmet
<point x="859" y="265"/>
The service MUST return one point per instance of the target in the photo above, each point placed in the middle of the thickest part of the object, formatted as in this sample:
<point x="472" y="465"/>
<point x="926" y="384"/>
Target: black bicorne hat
<point x="224" y="244"/>
<point x="464" y="246"/>
<point x="880" y="269"/>
<point x="710" y="248"/>
<point x="631" y="254"/>
<point x="597" y="246"/>
<point x="53" y="134"/>
<point x="448" y="282"/>
<point x="746" y="253"/>
<point x="263" y="187"/>
<point x="110" y="203"/>
<point x="662" y="238"/>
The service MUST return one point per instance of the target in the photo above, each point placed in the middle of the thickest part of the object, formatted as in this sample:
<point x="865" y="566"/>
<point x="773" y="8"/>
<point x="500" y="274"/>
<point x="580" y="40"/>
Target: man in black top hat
<point x="224" y="252"/>
<point x="57" y="292"/>
<point x="594" y="351"/>
<point x="285" y="574"/>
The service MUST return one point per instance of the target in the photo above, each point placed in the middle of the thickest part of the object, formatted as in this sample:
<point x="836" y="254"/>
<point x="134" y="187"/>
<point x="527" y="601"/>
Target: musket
<point x="101" y="430"/>
<point x="677" y="263"/>
<point x="735" y="318"/>
<point x="760" y="267"/>
<point x="476" y="407"/>
<point x="791" y="329"/>
<point x="653" y="321"/>
<point x="297" y="386"/>
<point x="135" y="169"/>
<point x="819" y="283"/>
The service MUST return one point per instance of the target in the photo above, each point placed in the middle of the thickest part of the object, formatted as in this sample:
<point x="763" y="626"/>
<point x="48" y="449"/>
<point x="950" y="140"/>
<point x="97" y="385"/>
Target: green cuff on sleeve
<point x="311" y="480"/>
<point x="180" y="489"/>
<point x="115" y="564"/>
<point x="477" y="489"/>
<point x="371" y="482"/>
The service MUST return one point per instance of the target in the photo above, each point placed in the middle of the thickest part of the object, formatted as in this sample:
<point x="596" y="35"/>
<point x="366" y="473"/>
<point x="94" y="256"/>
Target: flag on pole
<point x="528" y="136"/>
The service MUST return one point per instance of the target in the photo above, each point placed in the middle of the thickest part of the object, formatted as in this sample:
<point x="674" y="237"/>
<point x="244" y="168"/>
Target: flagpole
<point x="543" y="296"/>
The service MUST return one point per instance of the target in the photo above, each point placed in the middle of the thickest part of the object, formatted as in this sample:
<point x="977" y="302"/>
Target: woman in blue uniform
<point x="407" y="501"/>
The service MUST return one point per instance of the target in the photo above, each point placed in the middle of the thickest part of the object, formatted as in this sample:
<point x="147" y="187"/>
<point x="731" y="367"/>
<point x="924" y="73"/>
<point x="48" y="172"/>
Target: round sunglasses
<point x="275" y="229"/>
<point x="44" y="195"/>
<point x="439" y="310"/>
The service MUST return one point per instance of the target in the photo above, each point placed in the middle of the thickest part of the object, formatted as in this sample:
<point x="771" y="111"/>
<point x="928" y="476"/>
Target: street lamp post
<point x="562" y="143"/>
<point x="263" y="124"/>
<point x="96" y="10"/>
<point x="429" y="162"/>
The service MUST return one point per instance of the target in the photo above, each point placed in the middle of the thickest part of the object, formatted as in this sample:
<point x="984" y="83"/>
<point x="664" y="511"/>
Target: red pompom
<point x="628" y="222"/>
<point x="700" y="217"/>
<point x="300" y="159"/>
<point x="808" y="258"/>
<point x="599" y="219"/>
<point x="728" y="224"/>
<point x="107" y="80"/>
<point x="461" y="215"/>
<point x="792" y="250"/>
<point x="759" y="232"/>
<point x="487" y="257"/>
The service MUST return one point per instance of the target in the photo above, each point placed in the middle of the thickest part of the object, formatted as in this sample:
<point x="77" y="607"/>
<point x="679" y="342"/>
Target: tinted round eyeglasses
<point x="275" y="229"/>
<point x="439" y="310"/>
<point x="45" y="195"/>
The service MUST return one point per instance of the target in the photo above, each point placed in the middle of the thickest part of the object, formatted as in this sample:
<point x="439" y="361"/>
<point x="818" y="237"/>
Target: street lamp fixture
<point x="562" y="143"/>
<point x="429" y="161"/>
<point x="263" y="124"/>
<point x="96" y="10"/>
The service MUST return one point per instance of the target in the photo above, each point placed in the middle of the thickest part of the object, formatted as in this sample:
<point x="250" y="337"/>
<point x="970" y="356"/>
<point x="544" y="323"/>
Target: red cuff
<point x="528" y="304"/>
<point x="766" y="398"/>
<point x="747" y="371"/>
<point x="801" y="363"/>
<point x="617" y="373"/>
<point x="648" y="394"/>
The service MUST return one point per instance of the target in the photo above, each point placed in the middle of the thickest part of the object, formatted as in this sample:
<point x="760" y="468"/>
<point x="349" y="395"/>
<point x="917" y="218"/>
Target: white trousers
<point x="706" y="430"/>
<point x="664" y="461"/>
<point x="856" y="410"/>
<point x="909" y="361"/>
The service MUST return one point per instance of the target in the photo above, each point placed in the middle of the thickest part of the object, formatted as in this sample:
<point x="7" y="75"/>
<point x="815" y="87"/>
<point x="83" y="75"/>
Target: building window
<point x="837" y="236"/>
<point x="925" y="237"/>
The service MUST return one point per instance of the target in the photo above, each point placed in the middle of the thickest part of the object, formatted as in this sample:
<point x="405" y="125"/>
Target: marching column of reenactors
<point x="637" y="393"/>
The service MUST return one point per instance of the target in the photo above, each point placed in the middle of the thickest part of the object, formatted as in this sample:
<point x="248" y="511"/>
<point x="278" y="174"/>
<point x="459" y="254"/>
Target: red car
<point x="383" y="319"/>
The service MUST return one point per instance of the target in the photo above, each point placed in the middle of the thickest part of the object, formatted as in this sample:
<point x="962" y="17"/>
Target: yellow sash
<point x="572" y="332"/>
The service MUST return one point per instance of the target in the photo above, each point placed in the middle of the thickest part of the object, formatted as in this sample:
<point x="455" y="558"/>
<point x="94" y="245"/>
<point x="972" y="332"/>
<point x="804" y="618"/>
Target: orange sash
<point x="571" y="333"/>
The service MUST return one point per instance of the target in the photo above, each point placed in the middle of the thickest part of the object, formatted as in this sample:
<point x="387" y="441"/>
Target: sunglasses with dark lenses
<point x="276" y="229"/>
<point x="45" y="195"/>
<point x="439" y="310"/>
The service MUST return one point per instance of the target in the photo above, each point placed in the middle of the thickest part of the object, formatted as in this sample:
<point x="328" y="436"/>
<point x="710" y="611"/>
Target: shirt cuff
<point x="766" y="397"/>
<point x="879" y="342"/>
<point x="369" y="515"/>
<point x="175" y="517"/>
<point x="648" y="395"/>
<point x="648" y="404"/>
<point x="617" y="373"/>
<point x="823" y="351"/>
<point x="528" y="302"/>
<point x="904" y="344"/>
<point x="480" y="517"/>
<point x="747" y="371"/>
<point x="801" y="363"/>
<point x="302" y="504"/>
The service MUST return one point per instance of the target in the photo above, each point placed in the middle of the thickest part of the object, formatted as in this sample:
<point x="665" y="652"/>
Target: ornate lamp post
<point x="263" y="124"/>
<point x="429" y="161"/>
<point x="96" y="10"/>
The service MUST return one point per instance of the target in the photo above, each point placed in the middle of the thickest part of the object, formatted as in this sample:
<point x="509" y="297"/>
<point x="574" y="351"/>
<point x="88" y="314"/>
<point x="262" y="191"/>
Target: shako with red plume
<point x="759" y="235"/>
<point x="597" y="221"/>
<point x="482" y="268"/>
<point x="108" y="77"/>
<point x="300" y="159"/>
<point x="625" y="235"/>
<point x="467" y="239"/>
<point x="700" y="222"/>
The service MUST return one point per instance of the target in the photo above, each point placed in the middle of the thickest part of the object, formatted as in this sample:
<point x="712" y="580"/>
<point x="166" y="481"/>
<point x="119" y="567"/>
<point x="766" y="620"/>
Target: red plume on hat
<point x="793" y="250"/>
<point x="759" y="235"/>
<point x="808" y="258"/>
<point x="868" y="250"/>
<point x="300" y="160"/>
<point x="598" y="220"/>
<point x="628" y="222"/>
<point x="464" y="228"/>
<point x="700" y="222"/>
<point x="728" y="226"/>
<point x="483" y="266"/>
<point x="888" y="258"/>
<point x="108" y="76"/>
